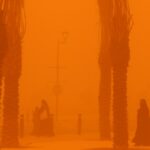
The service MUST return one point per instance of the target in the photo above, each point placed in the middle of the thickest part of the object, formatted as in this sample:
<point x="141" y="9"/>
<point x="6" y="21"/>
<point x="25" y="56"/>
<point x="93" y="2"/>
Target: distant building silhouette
<point x="142" y="135"/>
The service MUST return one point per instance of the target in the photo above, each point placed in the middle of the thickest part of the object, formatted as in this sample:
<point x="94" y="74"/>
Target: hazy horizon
<point x="80" y="74"/>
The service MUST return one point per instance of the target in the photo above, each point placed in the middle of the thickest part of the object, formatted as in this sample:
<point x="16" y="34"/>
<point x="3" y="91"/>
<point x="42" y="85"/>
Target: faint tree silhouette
<point x="15" y="27"/>
<point x="105" y="69"/>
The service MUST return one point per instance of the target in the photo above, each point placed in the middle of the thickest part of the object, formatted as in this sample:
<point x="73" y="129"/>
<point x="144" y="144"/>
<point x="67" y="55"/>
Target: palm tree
<point x="105" y="69"/>
<point x="3" y="47"/>
<point x="120" y="55"/>
<point x="13" y="11"/>
<point x="115" y="55"/>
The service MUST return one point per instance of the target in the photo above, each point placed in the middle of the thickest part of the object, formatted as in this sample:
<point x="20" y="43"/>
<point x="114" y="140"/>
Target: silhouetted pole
<point x="105" y="10"/>
<point x="14" y="20"/>
<point x="120" y="54"/>
<point x="57" y="88"/>
<point x="79" y="127"/>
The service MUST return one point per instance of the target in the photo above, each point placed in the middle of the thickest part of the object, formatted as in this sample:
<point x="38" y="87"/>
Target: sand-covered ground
<point x="67" y="144"/>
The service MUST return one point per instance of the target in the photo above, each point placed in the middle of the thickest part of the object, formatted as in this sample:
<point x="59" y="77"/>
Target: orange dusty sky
<point x="46" y="20"/>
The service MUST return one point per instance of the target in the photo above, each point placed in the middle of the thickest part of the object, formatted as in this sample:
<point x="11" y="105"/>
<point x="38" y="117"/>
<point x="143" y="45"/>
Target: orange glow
<point x="79" y="71"/>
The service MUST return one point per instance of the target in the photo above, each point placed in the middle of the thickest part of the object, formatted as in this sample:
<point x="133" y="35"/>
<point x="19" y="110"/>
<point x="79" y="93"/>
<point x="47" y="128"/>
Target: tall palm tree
<point x="120" y="55"/>
<point x="105" y="70"/>
<point x="3" y="47"/>
<point x="14" y="20"/>
<point x="115" y="55"/>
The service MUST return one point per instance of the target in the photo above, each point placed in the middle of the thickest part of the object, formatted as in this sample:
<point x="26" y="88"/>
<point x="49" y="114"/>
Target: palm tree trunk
<point x="105" y="102"/>
<point x="3" y="48"/>
<point x="105" y="70"/>
<point x="3" y="51"/>
<point x="14" y="20"/>
<point x="10" y="116"/>
<point x="120" y="121"/>
<point x="115" y="22"/>
<point x="120" y="56"/>
<point x="10" y="128"/>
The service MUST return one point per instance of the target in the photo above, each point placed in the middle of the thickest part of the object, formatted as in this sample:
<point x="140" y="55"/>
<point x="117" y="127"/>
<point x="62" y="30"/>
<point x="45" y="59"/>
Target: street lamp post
<point x="57" y="87"/>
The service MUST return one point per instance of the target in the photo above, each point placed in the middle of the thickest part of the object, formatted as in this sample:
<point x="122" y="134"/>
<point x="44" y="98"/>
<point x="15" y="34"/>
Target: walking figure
<point x="142" y="135"/>
<point x="79" y="124"/>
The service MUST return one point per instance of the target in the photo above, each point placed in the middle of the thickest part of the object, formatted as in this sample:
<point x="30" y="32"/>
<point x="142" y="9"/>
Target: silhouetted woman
<point x="36" y="121"/>
<point x="46" y="124"/>
<point x="142" y="135"/>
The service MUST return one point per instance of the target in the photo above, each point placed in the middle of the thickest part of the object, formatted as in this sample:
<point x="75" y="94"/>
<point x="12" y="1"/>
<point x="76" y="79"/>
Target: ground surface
<point x="67" y="144"/>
